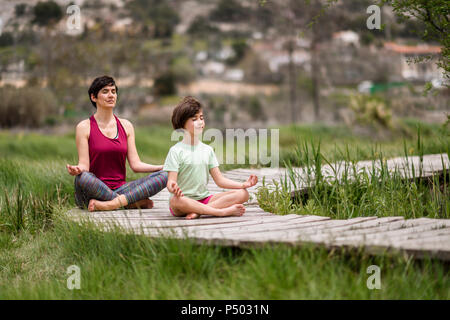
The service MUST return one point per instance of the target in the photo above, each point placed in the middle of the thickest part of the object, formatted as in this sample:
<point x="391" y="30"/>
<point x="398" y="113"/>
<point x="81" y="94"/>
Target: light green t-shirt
<point x="192" y="164"/>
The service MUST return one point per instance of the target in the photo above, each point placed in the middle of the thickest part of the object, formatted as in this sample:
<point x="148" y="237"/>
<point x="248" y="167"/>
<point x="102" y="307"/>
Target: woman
<point x="103" y="143"/>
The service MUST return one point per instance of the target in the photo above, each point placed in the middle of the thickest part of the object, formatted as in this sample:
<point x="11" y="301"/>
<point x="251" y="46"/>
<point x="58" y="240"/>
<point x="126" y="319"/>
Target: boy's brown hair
<point x="187" y="108"/>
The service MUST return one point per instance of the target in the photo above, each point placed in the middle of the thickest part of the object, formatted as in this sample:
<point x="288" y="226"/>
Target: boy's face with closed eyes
<point x="195" y="124"/>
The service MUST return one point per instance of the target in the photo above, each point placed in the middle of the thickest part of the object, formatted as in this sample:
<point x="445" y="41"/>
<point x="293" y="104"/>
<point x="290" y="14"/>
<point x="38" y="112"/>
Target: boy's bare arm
<point x="226" y="183"/>
<point x="172" y="185"/>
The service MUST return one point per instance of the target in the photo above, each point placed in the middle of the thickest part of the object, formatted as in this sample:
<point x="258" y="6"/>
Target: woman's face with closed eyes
<point x="106" y="97"/>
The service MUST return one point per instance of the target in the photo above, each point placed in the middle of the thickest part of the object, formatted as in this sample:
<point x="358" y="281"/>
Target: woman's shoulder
<point x="83" y="128"/>
<point x="126" y="124"/>
<point x="84" y="125"/>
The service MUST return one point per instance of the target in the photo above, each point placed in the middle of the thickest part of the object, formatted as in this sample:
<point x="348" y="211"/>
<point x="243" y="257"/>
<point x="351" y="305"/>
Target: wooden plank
<point x="284" y="229"/>
<point x="252" y="228"/>
<point x="266" y="222"/>
<point x="333" y="228"/>
<point x="288" y="236"/>
<point x="392" y="226"/>
<point x="386" y="237"/>
<point x="190" y="231"/>
<point x="361" y="228"/>
<point x="424" y="236"/>
<point x="187" y="223"/>
<point x="294" y="225"/>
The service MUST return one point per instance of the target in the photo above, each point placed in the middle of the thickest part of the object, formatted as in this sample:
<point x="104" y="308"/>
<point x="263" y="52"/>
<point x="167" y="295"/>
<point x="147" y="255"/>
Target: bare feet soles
<point x="191" y="216"/>
<point x="96" y="205"/>
<point x="234" y="210"/>
<point x="142" y="204"/>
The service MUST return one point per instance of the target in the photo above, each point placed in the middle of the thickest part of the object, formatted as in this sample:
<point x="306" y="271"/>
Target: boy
<point x="189" y="163"/>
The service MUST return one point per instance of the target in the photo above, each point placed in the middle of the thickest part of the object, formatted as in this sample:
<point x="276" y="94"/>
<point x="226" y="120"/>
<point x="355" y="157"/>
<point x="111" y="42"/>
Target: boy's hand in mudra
<point x="252" y="180"/>
<point x="173" y="187"/>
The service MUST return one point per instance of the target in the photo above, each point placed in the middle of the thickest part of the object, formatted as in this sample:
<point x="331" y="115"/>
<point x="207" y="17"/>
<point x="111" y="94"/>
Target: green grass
<point x="38" y="244"/>
<point x="361" y="193"/>
<point x="118" y="266"/>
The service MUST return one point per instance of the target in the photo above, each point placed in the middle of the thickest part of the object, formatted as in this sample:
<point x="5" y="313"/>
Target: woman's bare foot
<point x="91" y="206"/>
<point x="234" y="210"/>
<point x="191" y="216"/>
<point x="142" y="204"/>
<point x="97" y="205"/>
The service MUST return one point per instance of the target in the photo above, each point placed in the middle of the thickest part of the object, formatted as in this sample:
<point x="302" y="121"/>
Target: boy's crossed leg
<point x="222" y="204"/>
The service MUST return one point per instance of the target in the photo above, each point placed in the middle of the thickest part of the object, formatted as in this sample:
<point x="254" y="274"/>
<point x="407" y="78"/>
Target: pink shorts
<point x="204" y="201"/>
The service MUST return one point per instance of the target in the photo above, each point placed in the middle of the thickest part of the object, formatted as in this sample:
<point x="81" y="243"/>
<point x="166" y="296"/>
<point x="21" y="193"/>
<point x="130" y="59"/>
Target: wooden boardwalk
<point x="418" y="237"/>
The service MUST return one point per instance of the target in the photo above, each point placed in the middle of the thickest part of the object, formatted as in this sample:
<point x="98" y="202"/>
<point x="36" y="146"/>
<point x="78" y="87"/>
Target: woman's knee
<point x="83" y="178"/>
<point x="164" y="176"/>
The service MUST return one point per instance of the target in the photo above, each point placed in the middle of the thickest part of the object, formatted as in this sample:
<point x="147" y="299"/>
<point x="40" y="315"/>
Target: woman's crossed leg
<point x="92" y="193"/>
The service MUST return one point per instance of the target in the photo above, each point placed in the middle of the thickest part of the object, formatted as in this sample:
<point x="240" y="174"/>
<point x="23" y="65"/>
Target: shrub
<point x="46" y="13"/>
<point x="27" y="107"/>
<point x="165" y="84"/>
<point x="370" y="109"/>
<point x="229" y="11"/>
<point x="6" y="39"/>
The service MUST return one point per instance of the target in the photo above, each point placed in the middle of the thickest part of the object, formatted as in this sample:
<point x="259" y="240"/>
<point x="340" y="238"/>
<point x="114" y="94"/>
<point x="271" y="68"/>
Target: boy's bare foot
<point x="234" y="210"/>
<point x="191" y="216"/>
<point x="142" y="204"/>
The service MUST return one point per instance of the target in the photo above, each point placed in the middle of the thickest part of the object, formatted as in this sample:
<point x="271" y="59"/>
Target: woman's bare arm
<point x="82" y="137"/>
<point x="133" y="157"/>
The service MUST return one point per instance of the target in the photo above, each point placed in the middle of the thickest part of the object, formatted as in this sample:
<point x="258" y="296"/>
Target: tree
<point x="201" y="27"/>
<point x="292" y="18"/>
<point x="6" y="39"/>
<point x="47" y="13"/>
<point x="435" y="14"/>
<point x="229" y="11"/>
<point x="156" y="16"/>
<point x="20" y="9"/>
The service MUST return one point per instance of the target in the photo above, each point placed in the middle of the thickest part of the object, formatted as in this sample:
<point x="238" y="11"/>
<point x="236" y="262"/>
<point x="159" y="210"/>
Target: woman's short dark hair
<point x="187" y="108"/>
<point x="98" y="84"/>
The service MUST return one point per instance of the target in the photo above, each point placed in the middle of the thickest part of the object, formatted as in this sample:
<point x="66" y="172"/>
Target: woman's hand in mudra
<point x="73" y="170"/>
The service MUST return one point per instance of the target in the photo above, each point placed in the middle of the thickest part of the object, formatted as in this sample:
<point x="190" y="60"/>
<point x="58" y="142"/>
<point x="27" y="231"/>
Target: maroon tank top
<point x="107" y="157"/>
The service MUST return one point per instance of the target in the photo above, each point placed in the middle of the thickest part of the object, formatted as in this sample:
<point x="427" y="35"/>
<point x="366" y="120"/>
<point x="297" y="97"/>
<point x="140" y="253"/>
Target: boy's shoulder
<point x="206" y="146"/>
<point x="175" y="147"/>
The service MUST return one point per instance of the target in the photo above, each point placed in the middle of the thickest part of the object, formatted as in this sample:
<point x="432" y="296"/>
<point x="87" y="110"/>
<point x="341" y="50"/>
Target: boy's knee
<point x="243" y="195"/>
<point x="175" y="202"/>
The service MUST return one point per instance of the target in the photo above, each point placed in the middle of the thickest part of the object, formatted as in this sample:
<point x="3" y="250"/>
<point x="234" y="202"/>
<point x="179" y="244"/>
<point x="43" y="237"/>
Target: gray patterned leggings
<point x="88" y="186"/>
